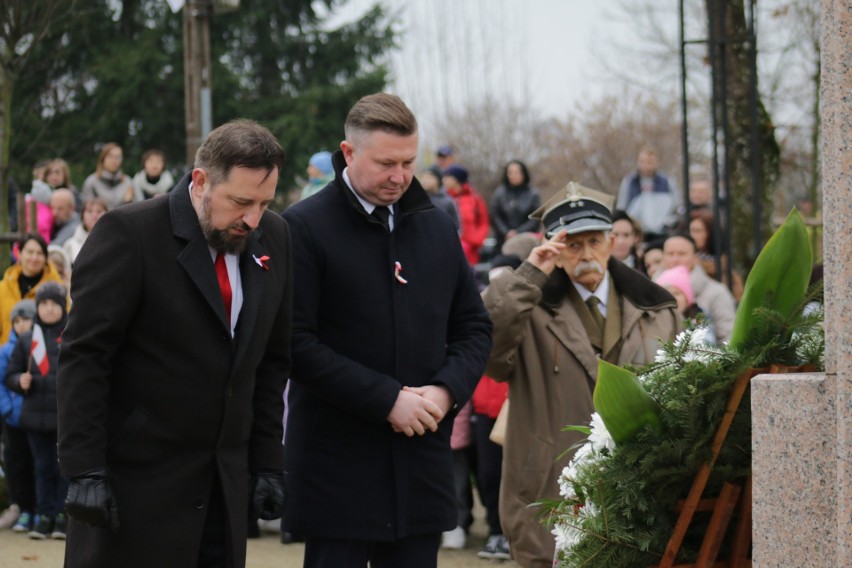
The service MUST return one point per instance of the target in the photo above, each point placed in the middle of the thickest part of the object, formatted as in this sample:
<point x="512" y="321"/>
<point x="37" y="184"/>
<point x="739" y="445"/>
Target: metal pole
<point x="714" y="102"/>
<point x="196" y="61"/>
<point x="685" y="125"/>
<point x="723" y="72"/>
<point x="755" y="140"/>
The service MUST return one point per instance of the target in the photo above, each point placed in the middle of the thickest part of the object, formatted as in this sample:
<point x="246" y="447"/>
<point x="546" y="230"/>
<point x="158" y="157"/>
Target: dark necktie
<point x="224" y="283"/>
<point x="593" y="302"/>
<point x="382" y="213"/>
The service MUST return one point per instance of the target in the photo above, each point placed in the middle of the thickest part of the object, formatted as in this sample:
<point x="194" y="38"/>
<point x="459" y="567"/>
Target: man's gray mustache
<point x="588" y="267"/>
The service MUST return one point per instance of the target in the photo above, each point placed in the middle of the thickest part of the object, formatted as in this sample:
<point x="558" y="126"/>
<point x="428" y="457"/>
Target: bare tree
<point x="23" y="24"/>
<point x="796" y="47"/>
<point x="488" y="134"/>
<point x="788" y="76"/>
<point x="597" y="146"/>
<point x="750" y="132"/>
<point x="456" y="53"/>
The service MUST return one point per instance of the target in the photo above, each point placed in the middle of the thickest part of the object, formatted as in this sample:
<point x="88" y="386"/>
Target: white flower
<point x="588" y="453"/>
<point x="589" y="510"/>
<point x="696" y="345"/>
<point x="569" y="473"/>
<point x="567" y="536"/>
<point x="568" y="532"/>
<point x="566" y="484"/>
<point x="583" y="453"/>
<point x="600" y="437"/>
<point x="699" y="337"/>
<point x="683" y="338"/>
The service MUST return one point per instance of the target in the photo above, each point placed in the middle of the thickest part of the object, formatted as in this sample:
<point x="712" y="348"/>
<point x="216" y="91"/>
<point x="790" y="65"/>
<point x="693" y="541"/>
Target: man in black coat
<point x="389" y="339"/>
<point x="173" y="366"/>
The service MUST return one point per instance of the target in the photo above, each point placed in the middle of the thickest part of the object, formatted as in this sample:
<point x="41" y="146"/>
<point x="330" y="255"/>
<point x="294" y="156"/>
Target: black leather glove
<point x="268" y="496"/>
<point x="90" y="500"/>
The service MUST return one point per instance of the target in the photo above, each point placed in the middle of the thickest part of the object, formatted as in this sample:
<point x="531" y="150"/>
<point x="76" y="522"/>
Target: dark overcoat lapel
<point x="195" y="259"/>
<point x="253" y="282"/>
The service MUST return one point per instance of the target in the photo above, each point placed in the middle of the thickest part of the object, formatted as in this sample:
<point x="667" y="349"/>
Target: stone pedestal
<point x="802" y="423"/>
<point x="794" y="463"/>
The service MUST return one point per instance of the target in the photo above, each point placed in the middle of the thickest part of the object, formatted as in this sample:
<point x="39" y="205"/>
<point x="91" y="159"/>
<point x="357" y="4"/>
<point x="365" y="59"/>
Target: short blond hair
<point x="380" y="111"/>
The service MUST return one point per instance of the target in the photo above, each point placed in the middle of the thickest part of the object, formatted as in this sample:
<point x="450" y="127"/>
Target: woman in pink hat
<point x="676" y="281"/>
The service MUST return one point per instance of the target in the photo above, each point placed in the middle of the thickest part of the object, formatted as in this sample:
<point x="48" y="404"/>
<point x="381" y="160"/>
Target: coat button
<point x="199" y="504"/>
<point x="230" y="392"/>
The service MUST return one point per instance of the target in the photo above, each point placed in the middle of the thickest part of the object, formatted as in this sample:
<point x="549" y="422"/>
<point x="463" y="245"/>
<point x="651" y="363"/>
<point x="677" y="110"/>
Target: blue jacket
<point x="10" y="401"/>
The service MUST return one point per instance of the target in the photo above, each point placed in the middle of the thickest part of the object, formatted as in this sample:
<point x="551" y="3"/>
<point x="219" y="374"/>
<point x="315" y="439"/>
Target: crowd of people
<point x="34" y="298"/>
<point x="401" y="359"/>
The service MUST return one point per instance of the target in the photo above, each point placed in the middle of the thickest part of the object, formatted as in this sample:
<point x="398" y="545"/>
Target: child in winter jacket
<point x="32" y="373"/>
<point x="17" y="458"/>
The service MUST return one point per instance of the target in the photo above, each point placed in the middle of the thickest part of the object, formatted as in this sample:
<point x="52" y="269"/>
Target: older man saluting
<point x="565" y="307"/>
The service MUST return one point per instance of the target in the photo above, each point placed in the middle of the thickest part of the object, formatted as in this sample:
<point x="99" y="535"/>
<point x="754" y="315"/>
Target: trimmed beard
<point x="221" y="240"/>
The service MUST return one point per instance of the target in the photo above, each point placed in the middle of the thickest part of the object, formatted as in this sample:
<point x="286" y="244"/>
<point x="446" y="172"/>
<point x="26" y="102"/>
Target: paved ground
<point x="18" y="551"/>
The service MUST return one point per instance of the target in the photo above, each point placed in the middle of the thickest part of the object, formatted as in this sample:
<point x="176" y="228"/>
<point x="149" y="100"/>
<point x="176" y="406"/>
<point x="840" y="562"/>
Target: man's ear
<point x="200" y="180"/>
<point x="348" y="150"/>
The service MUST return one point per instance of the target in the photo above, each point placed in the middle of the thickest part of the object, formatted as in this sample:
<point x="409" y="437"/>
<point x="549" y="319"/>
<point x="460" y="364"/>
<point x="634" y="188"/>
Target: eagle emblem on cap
<point x="572" y="191"/>
<point x="573" y="195"/>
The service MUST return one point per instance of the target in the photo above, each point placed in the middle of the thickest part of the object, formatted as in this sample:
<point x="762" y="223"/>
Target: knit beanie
<point x="457" y="171"/>
<point x="23" y="309"/>
<point x="52" y="291"/>
<point x="679" y="278"/>
<point x="322" y="162"/>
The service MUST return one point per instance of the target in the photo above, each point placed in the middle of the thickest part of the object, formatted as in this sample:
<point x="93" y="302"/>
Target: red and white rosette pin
<point x="261" y="261"/>
<point x="397" y="273"/>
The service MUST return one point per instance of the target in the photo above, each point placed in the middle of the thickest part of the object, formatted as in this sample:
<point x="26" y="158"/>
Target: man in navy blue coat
<point x="389" y="339"/>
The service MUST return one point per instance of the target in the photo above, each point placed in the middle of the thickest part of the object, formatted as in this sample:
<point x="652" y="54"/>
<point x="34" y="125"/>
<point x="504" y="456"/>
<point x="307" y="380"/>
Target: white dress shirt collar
<point x="368" y="207"/>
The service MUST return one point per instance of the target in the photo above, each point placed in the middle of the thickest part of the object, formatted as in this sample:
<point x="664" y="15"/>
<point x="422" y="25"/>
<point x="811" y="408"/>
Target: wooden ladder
<point x="731" y="498"/>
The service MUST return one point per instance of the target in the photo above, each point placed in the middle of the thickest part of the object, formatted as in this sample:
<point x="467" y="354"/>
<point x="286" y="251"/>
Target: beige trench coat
<point x="542" y="349"/>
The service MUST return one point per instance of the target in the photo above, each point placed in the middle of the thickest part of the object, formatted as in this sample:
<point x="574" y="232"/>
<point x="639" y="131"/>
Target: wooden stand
<point x="732" y="497"/>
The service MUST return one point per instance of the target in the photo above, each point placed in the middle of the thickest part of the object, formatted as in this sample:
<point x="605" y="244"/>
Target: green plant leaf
<point x="777" y="281"/>
<point x="625" y="407"/>
<point x="582" y="429"/>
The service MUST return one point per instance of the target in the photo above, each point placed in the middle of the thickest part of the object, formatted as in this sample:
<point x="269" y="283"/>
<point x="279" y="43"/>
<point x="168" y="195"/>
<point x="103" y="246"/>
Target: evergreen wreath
<point x="618" y="497"/>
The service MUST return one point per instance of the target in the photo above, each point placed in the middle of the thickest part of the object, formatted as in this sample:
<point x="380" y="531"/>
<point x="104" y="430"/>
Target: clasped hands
<point x="418" y="409"/>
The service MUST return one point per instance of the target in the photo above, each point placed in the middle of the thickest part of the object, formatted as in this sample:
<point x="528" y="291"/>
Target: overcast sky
<point x="555" y="54"/>
<point x="541" y="52"/>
